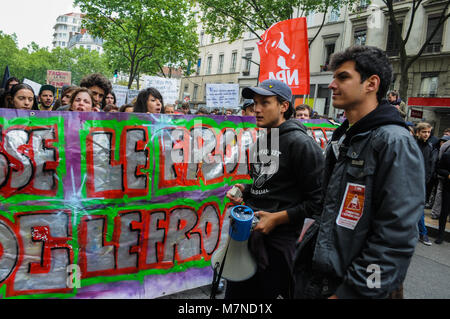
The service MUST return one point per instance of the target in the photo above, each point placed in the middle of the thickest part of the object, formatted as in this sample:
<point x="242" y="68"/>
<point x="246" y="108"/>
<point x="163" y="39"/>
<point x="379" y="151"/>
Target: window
<point x="208" y="65"/>
<point x="199" y="64"/>
<point x="334" y="15"/>
<point x="220" y="68"/>
<point x="435" y="42"/>
<point x="202" y="37"/>
<point x="329" y="50"/>
<point x="233" y="61"/>
<point x="248" y="63"/>
<point x="360" y="37"/>
<point x="392" y="46"/>
<point x="429" y="85"/>
<point x="186" y="88"/>
<point x="194" y="95"/>
<point x="363" y="4"/>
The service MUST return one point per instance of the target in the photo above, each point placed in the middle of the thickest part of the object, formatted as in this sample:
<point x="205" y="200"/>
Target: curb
<point x="433" y="232"/>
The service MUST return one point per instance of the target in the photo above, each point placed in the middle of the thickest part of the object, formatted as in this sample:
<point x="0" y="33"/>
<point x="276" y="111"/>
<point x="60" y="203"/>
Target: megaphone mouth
<point x="242" y="213"/>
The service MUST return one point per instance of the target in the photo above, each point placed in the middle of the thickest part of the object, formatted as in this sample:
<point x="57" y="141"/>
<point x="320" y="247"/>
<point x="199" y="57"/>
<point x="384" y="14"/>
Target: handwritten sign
<point x="168" y="88"/>
<point x="59" y="78"/>
<point x="222" y="95"/>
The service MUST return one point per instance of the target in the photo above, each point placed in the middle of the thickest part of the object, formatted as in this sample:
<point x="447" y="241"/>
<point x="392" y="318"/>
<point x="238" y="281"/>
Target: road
<point x="428" y="276"/>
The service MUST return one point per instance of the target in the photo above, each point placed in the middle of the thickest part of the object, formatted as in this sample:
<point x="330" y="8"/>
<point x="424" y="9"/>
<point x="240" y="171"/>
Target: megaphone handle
<point x="216" y="277"/>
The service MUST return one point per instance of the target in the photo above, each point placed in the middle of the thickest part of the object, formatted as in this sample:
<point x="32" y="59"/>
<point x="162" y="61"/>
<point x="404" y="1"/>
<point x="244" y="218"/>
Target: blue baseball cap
<point x="269" y="88"/>
<point x="247" y="103"/>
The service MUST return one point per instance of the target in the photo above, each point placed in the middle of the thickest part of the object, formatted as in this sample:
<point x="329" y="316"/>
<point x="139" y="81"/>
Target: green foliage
<point x="142" y="35"/>
<point x="33" y="62"/>
<point x="234" y="17"/>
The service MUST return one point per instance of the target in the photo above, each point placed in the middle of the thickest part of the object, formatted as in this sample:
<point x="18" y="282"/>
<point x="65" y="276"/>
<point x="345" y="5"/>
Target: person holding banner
<point x="21" y="96"/>
<point x="149" y="100"/>
<point x="66" y="95"/>
<point x="46" y="97"/>
<point x="248" y="108"/>
<point x="374" y="194"/>
<point x="11" y="82"/>
<point x="110" y="99"/>
<point x="286" y="188"/>
<point x="82" y="100"/>
<point x="100" y="86"/>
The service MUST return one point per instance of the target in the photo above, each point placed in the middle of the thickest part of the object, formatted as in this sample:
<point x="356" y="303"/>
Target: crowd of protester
<point x="294" y="191"/>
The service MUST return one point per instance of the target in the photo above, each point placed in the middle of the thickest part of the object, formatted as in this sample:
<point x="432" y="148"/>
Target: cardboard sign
<point x="59" y="78"/>
<point x="284" y="55"/>
<point x="352" y="206"/>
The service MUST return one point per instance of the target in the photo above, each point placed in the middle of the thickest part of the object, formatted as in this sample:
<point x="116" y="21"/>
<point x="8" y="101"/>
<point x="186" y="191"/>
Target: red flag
<point x="284" y="55"/>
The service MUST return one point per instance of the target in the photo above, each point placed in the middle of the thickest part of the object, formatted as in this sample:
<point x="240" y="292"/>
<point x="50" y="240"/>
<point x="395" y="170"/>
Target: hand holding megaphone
<point x="268" y="221"/>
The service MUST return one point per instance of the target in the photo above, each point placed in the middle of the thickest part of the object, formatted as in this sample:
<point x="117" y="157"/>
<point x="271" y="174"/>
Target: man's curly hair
<point x="368" y="61"/>
<point x="97" y="79"/>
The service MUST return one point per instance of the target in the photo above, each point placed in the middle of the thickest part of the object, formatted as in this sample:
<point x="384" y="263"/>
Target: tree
<point x="33" y="62"/>
<point x="406" y="60"/>
<point x="234" y="17"/>
<point x="139" y="35"/>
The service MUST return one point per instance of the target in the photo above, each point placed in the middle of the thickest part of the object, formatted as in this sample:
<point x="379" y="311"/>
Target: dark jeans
<point x="269" y="283"/>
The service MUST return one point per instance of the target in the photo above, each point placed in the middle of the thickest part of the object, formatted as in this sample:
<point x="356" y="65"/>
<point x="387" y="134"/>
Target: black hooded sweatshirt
<point x="296" y="184"/>
<point x="294" y="187"/>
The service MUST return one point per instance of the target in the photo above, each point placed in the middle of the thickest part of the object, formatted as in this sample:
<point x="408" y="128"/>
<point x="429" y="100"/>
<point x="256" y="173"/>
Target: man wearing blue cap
<point x="286" y="188"/>
<point x="248" y="108"/>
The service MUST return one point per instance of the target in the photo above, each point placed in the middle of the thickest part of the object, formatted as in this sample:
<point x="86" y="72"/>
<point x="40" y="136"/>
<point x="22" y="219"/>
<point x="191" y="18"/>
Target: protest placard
<point x="59" y="78"/>
<point x="36" y="86"/>
<point x="168" y="88"/>
<point x="222" y="95"/>
<point x="121" y="93"/>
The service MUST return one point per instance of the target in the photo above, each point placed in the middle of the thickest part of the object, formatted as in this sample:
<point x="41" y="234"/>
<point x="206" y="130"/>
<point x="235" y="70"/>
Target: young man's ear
<point x="373" y="83"/>
<point x="285" y="106"/>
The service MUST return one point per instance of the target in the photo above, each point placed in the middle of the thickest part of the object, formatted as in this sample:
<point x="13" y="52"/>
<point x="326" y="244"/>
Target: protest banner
<point x="222" y="95"/>
<point x="284" y="55"/>
<point x="59" y="78"/>
<point x="168" y="88"/>
<point x="121" y="93"/>
<point x="115" y="205"/>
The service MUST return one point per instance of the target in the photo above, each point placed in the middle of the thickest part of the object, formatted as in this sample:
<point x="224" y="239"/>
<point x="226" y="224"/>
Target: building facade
<point x="69" y="34"/>
<point x="429" y="76"/>
<point x="66" y="25"/>
<point x="85" y="40"/>
<point x="220" y="61"/>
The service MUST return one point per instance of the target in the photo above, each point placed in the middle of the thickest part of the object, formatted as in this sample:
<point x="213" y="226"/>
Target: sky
<point x="32" y="20"/>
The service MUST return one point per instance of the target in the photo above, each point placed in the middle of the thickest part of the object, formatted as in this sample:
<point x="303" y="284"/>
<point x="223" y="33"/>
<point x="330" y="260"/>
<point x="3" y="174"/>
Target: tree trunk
<point x="404" y="82"/>
<point x="131" y="75"/>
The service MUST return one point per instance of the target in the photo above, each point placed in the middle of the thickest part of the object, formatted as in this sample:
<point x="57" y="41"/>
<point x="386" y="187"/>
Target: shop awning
<point x="429" y="101"/>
